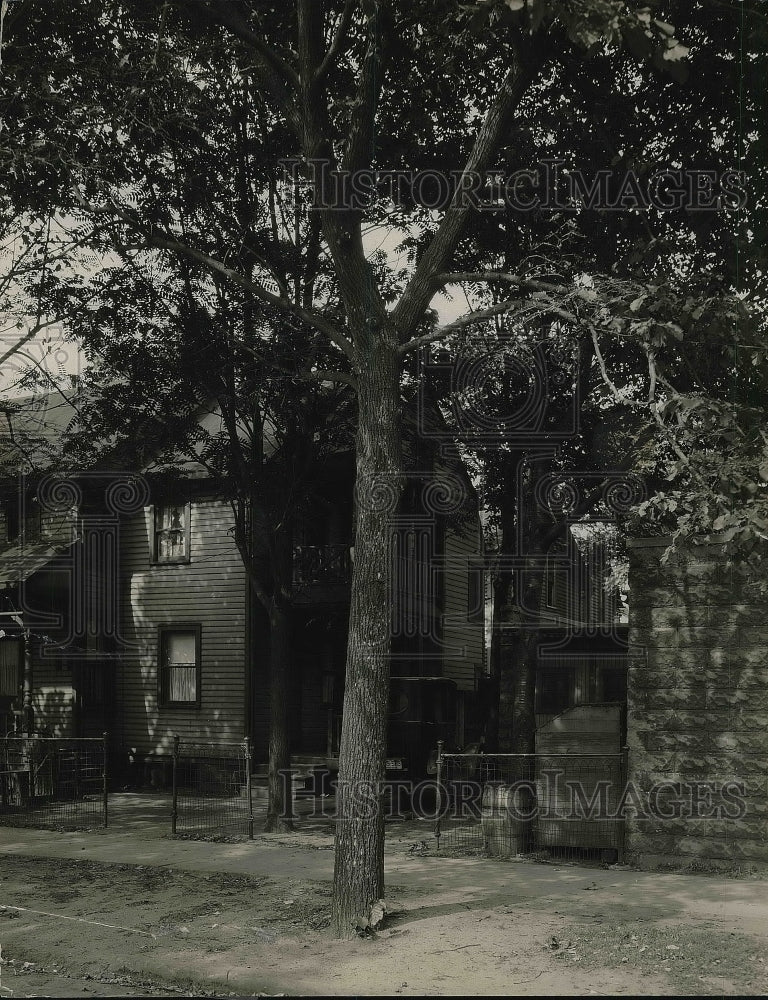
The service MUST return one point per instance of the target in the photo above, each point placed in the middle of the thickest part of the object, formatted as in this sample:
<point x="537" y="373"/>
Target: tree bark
<point x="524" y="680"/>
<point x="502" y="595"/>
<point x="358" y="879"/>
<point x="501" y="589"/>
<point x="279" y="800"/>
<point x="518" y="677"/>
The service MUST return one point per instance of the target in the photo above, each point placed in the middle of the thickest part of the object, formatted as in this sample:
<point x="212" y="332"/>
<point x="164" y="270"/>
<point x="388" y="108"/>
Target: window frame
<point x="153" y="544"/>
<point x="163" y="684"/>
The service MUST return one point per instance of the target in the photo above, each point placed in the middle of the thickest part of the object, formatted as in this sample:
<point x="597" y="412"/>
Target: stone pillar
<point x="697" y="709"/>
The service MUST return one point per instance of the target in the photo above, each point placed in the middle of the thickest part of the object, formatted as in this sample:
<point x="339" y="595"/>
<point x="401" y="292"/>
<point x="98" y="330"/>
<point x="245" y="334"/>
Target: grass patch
<point x="695" y="957"/>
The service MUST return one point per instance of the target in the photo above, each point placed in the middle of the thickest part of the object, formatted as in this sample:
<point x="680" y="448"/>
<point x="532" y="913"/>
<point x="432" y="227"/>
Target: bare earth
<point x="130" y="912"/>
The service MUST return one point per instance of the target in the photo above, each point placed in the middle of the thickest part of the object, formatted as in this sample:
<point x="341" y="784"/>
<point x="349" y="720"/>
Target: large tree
<point x="120" y="94"/>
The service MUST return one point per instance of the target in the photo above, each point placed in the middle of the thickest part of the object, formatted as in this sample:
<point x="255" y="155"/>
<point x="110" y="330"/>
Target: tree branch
<point x="359" y="151"/>
<point x="257" y="290"/>
<point x="337" y="44"/>
<point x="482" y="277"/>
<point x="168" y="241"/>
<point x="324" y="375"/>
<point x="479" y="315"/>
<point x="607" y="378"/>
<point x="420" y="289"/>
<point x="272" y="69"/>
<point x="226" y="15"/>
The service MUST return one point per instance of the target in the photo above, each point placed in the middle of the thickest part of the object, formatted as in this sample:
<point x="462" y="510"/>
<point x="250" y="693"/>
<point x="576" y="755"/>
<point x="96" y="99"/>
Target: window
<point x="179" y="667"/>
<point x="170" y="543"/>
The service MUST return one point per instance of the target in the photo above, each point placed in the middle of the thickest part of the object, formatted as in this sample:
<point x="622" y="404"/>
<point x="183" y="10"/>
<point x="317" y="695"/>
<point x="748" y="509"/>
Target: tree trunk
<point x="498" y="728"/>
<point x="501" y="589"/>
<point x="524" y="691"/>
<point x="518" y="676"/>
<point x="279" y="800"/>
<point x="358" y="879"/>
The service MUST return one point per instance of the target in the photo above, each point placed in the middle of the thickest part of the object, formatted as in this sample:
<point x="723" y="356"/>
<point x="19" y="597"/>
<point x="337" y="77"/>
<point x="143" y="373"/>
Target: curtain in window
<point x="171" y="533"/>
<point x="180" y="654"/>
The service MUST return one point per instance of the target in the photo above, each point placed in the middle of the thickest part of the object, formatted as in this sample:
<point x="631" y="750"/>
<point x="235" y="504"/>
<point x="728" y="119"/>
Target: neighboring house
<point x="583" y="648"/>
<point x="177" y="643"/>
<point x="195" y="659"/>
<point x="582" y="634"/>
<point x="43" y="675"/>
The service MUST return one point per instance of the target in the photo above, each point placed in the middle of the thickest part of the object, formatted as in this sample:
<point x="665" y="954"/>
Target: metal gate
<point x="53" y="782"/>
<point x="211" y="785"/>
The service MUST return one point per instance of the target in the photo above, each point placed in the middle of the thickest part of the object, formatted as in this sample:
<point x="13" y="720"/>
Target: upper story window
<point x="170" y="543"/>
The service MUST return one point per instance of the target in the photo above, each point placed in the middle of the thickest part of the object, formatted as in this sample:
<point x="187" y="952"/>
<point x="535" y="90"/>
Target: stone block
<point x="743" y="656"/>
<point x="648" y="696"/>
<point x="723" y="765"/>
<point x="647" y="679"/>
<point x="742" y="693"/>
<point x="657" y="741"/>
<point x="744" y="720"/>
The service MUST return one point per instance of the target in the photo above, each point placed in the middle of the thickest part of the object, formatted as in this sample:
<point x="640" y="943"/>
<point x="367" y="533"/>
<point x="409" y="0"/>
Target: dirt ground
<point x="132" y="914"/>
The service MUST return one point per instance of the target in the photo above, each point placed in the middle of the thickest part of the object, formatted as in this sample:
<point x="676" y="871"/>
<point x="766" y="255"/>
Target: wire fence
<point x="212" y="794"/>
<point x="53" y="782"/>
<point x="568" y="805"/>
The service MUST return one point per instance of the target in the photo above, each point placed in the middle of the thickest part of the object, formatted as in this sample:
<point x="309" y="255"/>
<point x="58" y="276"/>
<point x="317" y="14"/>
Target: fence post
<point x="439" y="795"/>
<point x="622" y="851"/>
<point x="174" y="809"/>
<point x="104" y="781"/>
<point x="31" y="769"/>
<point x="248" y="790"/>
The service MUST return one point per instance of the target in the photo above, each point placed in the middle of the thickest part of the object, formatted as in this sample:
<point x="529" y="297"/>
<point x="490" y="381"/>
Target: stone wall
<point x="697" y="710"/>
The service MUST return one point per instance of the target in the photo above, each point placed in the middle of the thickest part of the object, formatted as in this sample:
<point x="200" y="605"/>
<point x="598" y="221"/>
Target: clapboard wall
<point x="463" y="633"/>
<point x="209" y="591"/>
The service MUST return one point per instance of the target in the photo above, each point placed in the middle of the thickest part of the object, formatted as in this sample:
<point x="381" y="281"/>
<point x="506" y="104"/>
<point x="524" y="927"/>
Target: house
<point x="582" y="632"/>
<point x="583" y="648"/>
<point x="46" y="679"/>
<point x="176" y="642"/>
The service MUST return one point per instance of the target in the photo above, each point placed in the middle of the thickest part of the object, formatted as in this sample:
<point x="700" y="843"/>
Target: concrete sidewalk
<point x="434" y="881"/>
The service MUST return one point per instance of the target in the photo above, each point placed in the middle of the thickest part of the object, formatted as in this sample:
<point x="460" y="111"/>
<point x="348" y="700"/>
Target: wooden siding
<point x="462" y="639"/>
<point x="210" y="591"/>
<point x="53" y="695"/>
<point x="583" y="729"/>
